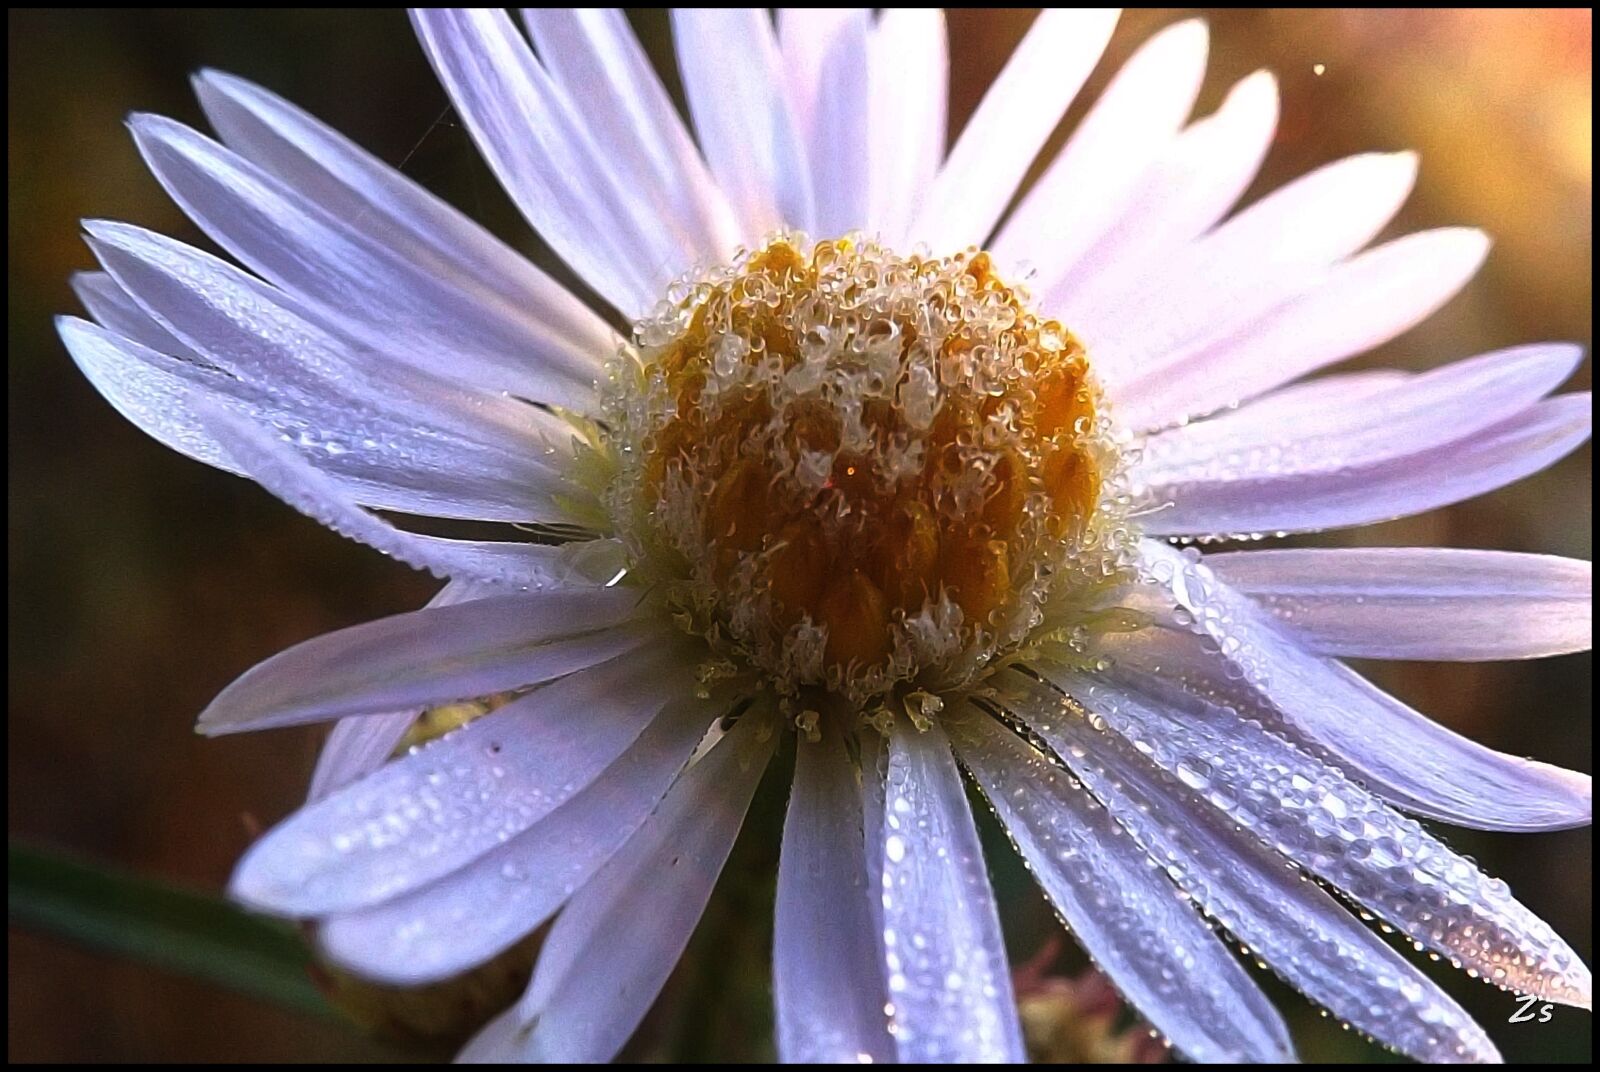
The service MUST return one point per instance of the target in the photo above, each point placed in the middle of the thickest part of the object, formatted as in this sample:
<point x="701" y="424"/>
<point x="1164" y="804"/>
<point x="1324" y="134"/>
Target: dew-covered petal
<point x="1198" y="178"/>
<point x="838" y="137"/>
<point x="113" y="309"/>
<point x="948" y="978"/>
<point x="374" y="459"/>
<point x="351" y="184"/>
<point x="279" y="469"/>
<point x="1442" y="406"/>
<point x="1204" y="293"/>
<point x="1340" y="832"/>
<point x="1426" y="603"/>
<point x="1351" y="308"/>
<point x="432" y="433"/>
<point x="611" y="950"/>
<point x="359" y="744"/>
<point x="353" y="280"/>
<point x="827" y="983"/>
<point x="909" y="85"/>
<point x="1010" y="126"/>
<point x="593" y="55"/>
<point x="1082" y="192"/>
<point x="1242" y="661"/>
<point x="733" y="78"/>
<point x="620" y="240"/>
<point x="1302" y="933"/>
<point x="1148" y="939"/>
<point x="477" y="912"/>
<point x="419" y="818"/>
<point x="433" y="656"/>
<point x="1258" y="499"/>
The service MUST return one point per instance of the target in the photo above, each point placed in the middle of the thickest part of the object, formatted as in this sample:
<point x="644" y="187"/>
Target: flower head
<point x="882" y="466"/>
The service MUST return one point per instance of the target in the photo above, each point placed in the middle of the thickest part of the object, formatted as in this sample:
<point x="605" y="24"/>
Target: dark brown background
<point x="141" y="583"/>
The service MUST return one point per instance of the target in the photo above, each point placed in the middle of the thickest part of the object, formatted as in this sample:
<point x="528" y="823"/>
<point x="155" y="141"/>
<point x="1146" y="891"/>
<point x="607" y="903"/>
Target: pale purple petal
<point x="1204" y="171"/>
<point x="907" y="111"/>
<point x="948" y="979"/>
<point x="327" y="168"/>
<point x="359" y="744"/>
<point x="1097" y="172"/>
<point x="621" y="242"/>
<point x="151" y="390"/>
<point x="1208" y="291"/>
<point x="1256" y="499"/>
<point x="1351" y="308"/>
<point x="1442" y="406"/>
<point x="827" y="983"/>
<point x="1010" y="126"/>
<point x="1148" y="938"/>
<point x="837" y="127"/>
<point x="118" y="313"/>
<point x="611" y="950"/>
<point x="355" y="281"/>
<point x="593" y="55"/>
<point x="1303" y="934"/>
<point x="804" y="36"/>
<point x="733" y="78"/>
<point x="434" y="656"/>
<point x="279" y="469"/>
<point x="477" y="912"/>
<point x="1242" y="660"/>
<point x="1340" y="832"/>
<point x="265" y="337"/>
<point x="386" y="464"/>
<point x="1427" y="603"/>
<point x="419" y="818"/>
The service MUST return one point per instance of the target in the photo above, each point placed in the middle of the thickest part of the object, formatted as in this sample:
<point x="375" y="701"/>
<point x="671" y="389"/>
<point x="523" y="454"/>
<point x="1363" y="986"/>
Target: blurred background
<point x="140" y="582"/>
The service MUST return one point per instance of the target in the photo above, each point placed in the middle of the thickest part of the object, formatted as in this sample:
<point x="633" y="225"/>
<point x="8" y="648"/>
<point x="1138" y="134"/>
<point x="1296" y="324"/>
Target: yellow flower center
<point x="857" y="469"/>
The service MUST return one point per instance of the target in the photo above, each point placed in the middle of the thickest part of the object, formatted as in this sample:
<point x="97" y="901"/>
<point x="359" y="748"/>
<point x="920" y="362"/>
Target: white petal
<point x="1355" y="306"/>
<point x="1335" y="829"/>
<point x="838" y="140"/>
<point x="1330" y="711"/>
<point x="1257" y="499"/>
<point x="826" y="981"/>
<point x="1442" y="406"/>
<point x="1203" y="172"/>
<point x="733" y="78"/>
<point x="356" y="281"/>
<point x="374" y="458"/>
<point x="1098" y="170"/>
<point x="278" y="468"/>
<point x="474" y="914"/>
<point x="1420" y="603"/>
<point x="1010" y="126"/>
<point x="1216" y="286"/>
<point x="146" y="388"/>
<point x="805" y="34"/>
<point x="622" y="244"/>
<point x="611" y="950"/>
<point x="118" y="313"/>
<point x="1303" y="934"/>
<point x="429" y="657"/>
<point x="909" y="85"/>
<point x="594" y="57"/>
<point x="948" y="977"/>
<point x="265" y="338"/>
<point x="419" y="818"/>
<point x="359" y="745"/>
<point x="1147" y="938"/>
<point x="327" y="168"/>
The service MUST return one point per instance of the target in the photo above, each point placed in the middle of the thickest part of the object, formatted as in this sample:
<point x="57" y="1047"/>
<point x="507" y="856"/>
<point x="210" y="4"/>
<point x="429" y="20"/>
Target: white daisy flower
<point x="885" y="466"/>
